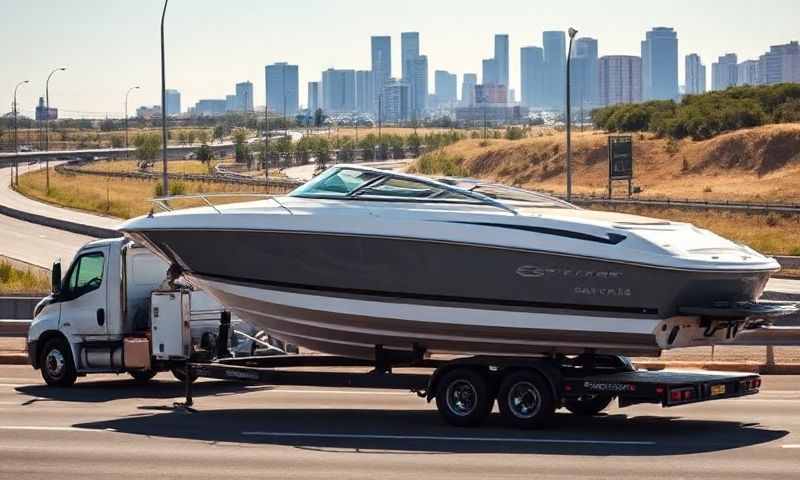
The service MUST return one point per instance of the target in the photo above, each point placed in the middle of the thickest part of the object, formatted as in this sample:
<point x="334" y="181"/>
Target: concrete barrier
<point x="18" y="308"/>
<point x="14" y="328"/>
<point x="79" y="228"/>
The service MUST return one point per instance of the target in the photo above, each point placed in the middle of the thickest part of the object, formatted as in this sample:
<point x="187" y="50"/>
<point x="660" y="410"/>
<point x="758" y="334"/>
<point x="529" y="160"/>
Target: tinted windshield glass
<point x="336" y="182"/>
<point x="516" y="196"/>
<point x="409" y="188"/>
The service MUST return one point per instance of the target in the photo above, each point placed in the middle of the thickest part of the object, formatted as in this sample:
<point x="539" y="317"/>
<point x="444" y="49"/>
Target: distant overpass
<point x="173" y="152"/>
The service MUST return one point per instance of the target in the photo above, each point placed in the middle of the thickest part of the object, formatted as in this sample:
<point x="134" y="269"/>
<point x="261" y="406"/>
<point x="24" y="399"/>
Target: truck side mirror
<point x="55" y="278"/>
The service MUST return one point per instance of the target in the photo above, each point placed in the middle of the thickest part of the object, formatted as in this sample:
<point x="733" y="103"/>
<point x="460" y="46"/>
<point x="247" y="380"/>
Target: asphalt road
<point x="114" y="428"/>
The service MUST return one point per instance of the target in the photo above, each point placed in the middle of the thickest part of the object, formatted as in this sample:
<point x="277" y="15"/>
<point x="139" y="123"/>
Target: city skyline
<point x="92" y="88"/>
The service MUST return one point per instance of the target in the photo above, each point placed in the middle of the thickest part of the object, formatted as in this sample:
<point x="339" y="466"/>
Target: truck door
<point x="84" y="295"/>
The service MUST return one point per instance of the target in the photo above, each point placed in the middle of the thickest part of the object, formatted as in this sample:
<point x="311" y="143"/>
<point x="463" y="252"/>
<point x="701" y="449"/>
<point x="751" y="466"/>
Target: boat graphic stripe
<point x="612" y="239"/>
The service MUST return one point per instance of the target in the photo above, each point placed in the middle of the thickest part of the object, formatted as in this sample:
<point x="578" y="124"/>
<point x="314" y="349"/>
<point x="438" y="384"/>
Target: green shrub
<point x="440" y="163"/>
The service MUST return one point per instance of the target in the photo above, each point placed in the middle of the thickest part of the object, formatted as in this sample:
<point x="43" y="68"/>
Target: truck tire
<point x="526" y="400"/>
<point x="588" y="405"/>
<point x="58" y="368"/>
<point x="180" y="374"/>
<point x="463" y="398"/>
<point x="142" y="376"/>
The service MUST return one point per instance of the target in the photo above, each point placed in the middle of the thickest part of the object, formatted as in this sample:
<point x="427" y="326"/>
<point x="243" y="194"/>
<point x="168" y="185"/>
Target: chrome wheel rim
<point x="524" y="400"/>
<point x="55" y="363"/>
<point x="462" y="398"/>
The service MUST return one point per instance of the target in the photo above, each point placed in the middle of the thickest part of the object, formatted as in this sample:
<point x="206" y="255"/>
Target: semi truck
<point x="113" y="311"/>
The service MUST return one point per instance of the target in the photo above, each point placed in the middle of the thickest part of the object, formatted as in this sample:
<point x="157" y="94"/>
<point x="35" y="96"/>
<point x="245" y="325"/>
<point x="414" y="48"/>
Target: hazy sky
<point x="110" y="45"/>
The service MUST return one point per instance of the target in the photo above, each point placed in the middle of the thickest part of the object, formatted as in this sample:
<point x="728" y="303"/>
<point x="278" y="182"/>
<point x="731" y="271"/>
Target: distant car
<point x="26" y="148"/>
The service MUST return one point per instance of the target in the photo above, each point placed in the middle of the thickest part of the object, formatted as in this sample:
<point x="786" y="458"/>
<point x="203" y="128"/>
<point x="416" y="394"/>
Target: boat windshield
<point x="336" y="182"/>
<point x="519" y="197"/>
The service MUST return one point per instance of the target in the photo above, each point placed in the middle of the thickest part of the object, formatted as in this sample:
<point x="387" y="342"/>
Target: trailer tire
<point x="588" y="405"/>
<point x="526" y="400"/>
<point x="142" y="376"/>
<point x="180" y="374"/>
<point x="463" y="397"/>
<point x="58" y="368"/>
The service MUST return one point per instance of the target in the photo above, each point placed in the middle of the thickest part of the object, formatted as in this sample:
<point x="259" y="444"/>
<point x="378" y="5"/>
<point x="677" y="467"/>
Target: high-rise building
<point x="620" y="79"/>
<point x="42" y="113"/>
<point x="532" y="75"/>
<point x="409" y="51"/>
<point x="695" y="75"/>
<point x="489" y="72"/>
<point x="491" y="94"/>
<point x="419" y="86"/>
<point x="231" y="103"/>
<point x="339" y="90"/>
<point x="781" y="64"/>
<point x="173" y="102"/>
<point x="314" y="97"/>
<point x="584" y="81"/>
<point x="723" y="72"/>
<point x="282" y="84"/>
<point x="555" y="58"/>
<point x="365" y="93"/>
<point x="381" y="52"/>
<point x="468" y="82"/>
<point x="446" y="87"/>
<point x="244" y="97"/>
<point x="396" y="101"/>
<point x="747" y="73"/>
<point x="660" y="64"/>
<point x="501" y="59"/>
<point x="210" y="107"/>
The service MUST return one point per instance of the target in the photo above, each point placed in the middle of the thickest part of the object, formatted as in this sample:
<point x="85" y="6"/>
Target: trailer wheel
<point x="58" y="369"/>
<point x="463" y="398"/>
<point x="142" y="376"/>
<point x="526" y="400"/>
<point x="180" y="374"/>
<point x="588" y="405"/>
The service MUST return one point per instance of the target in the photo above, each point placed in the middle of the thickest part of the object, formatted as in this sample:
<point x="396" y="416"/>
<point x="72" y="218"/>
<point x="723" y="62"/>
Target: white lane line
<point x="14" y="384"/>
<point x="446" y="438"/>
<point x="791" y="446"/>
<point x="53" y="429"/>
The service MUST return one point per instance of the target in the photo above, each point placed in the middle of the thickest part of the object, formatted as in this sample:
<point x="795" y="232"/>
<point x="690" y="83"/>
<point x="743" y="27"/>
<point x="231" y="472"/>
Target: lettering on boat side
<point x="603" y="292"/>
<point x="533" y="271"/>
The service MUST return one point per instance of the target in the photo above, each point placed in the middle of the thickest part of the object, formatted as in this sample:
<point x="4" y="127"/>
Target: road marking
<point x="13" y="384"/>
<point x="791" y="446"/>
<point x="53" y="429"/>
<point x="356" y="436"/>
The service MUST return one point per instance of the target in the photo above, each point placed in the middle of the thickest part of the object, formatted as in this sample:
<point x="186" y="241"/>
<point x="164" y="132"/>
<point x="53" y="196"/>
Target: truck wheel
<point x="526" y="400"/>
<point x="58" y="369"/>
<point x="142" y="376"/>
<point x="588" y="405"/>
<point x="463" y="398"/>
<point x="180" y="374"/>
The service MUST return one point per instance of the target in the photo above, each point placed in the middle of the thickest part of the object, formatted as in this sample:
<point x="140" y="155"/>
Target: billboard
<point x="620" y="157"/>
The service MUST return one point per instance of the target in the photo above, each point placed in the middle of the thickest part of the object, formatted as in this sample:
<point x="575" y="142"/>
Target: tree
<point x="182" y="137"/>
<point x="190" y="136"/>
<point x="239" y="135"/>
<point x="148" y="145"/>
<point x="202" y="136"/>
<point x="204" y="153"/>
<point x="117" y="141"/>
<point x="219" y="133"/>
<point x="319" y="118"/>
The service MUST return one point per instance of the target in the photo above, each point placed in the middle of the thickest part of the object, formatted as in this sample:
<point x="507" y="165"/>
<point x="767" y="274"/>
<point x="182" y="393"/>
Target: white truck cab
<point x="101" y="311"/>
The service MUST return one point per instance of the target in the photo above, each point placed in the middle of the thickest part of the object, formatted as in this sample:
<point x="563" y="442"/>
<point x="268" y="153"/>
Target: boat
<point x="360" y="261"/>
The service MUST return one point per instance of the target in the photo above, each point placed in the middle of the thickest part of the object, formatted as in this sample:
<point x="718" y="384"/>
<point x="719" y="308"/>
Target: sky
<point x="108" y="46"/>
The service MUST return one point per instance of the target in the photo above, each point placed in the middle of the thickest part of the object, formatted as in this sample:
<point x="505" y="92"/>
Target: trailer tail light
<point x="682" y="395"/>
<point x="750" y="385"/>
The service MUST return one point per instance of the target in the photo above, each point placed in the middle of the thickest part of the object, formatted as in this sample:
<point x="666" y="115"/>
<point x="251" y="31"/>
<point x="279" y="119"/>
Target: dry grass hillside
<point x="759" y="164"/>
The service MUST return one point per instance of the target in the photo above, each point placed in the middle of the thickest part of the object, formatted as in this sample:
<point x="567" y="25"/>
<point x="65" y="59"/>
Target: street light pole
<point x="16" y="145"/>
<point x="165" y="175"/>
<point x="572" y="33"/>
<point x="47" y="125"/>
<point x="126" y="118"/>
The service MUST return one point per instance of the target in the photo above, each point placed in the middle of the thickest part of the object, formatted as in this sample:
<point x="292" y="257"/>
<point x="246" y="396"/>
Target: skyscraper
<point x="409" y="51"/>
<point x="381" y="50"/>
<point x="365" y="93"/>
<point x="780" y="64"/>
<point x="339" y="90"/>
<point x="555" y="58"/>
<point x="469" y="80"/>
<point x="282" y="86"/>
<point x="501" y="59"/>
<point x="173" y="102"/>
<point x="446" y="86"/>
<point x="723" y="72"/>
<point x="419" y="86"/>
<point x="620" y="79"/>
<point x="244" y="96"/>
<point x="313" y="96"/>
<point x="660" y="64"/>
<point x="489" y="72"/>
<point x="532" y="75"/>
<point x="396" y="101"/>
<point x="695" y="73"/>
<point x="584" y="77"/>
<point x="747" y="73"/>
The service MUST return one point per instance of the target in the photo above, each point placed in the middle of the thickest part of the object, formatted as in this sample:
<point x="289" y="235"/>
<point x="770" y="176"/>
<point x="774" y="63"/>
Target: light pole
<point x="572" y="33"/>
<point x="126" y="117"/>
<point x="46" y="127"/>
<point x="164" y="175"/>
<point x="16" y="146"/>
